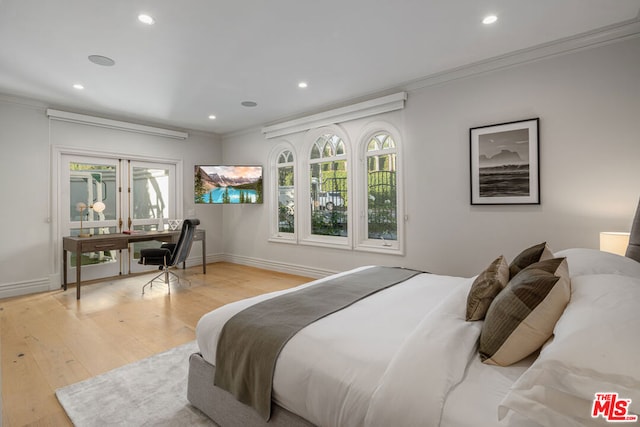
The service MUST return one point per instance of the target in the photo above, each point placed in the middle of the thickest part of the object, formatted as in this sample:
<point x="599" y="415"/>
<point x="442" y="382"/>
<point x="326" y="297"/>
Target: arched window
<point x="337" y="202"/>
<point x="381" y="189"/>
<point x="286" y="192"/>
<point x="328" y="186"/>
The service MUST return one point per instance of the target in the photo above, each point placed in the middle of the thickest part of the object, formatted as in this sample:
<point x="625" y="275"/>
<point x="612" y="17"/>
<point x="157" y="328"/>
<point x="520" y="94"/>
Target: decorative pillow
<point x="521" y="318"/>
<point x="529" y="256"/>
<point x="594" y="350"/>
<point x="485" y="288"/>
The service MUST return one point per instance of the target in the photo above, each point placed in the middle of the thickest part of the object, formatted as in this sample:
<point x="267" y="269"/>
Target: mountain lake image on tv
<point x="228" y="184"/>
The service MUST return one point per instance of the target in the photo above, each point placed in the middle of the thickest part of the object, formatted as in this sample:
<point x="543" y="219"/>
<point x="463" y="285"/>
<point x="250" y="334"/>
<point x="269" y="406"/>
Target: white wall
<point x="588" y="103"/>
<point x="30" y="251"/>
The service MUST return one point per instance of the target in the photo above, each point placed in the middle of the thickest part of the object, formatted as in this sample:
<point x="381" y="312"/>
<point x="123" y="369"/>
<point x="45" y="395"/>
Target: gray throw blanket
<point x="250" y="342"/>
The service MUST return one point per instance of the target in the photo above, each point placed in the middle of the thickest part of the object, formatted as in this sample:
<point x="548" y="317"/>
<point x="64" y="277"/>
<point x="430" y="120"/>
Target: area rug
<point x="150" y="392"/>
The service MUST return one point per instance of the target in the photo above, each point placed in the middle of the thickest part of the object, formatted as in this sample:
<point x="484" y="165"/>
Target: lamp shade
<point x="98" y="207"/>
<point x="614" y="242"/>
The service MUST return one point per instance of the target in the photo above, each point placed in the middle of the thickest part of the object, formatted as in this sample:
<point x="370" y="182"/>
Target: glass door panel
<point x="151" y="204"/>
<point x="87" y="182"/>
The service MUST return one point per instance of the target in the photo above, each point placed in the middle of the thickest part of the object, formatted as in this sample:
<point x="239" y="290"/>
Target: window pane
<point x="286" y="200"/>
<point x="91" y="183"/>
<point x="329" y="198"/>
<point x="315" y="152"/>
<point x="150" y="193"/>
<point x="327" y="151"/>
<point x="381" y="193"/>
<point x="285" y="157"/>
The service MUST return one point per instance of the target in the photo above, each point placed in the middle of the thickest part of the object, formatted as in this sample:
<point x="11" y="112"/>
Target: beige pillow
<point x="536" y="253"/>
<point x="485" y="288"/>
<point x="522" y="316"/>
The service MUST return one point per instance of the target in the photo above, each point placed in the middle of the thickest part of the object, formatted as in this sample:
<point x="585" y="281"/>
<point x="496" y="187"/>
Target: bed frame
<point x="223" y="408"/>
<point x="633" y="250"/>
<point x="226" y="411"/>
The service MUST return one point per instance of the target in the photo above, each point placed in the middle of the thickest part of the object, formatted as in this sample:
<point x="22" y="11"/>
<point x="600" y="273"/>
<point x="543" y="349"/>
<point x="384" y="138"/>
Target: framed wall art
<point x="505" y="168"/>
<point x="228" y="184"/>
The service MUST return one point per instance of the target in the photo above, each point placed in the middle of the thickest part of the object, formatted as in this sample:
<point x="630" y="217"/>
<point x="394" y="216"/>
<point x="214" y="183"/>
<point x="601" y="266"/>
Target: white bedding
<point x="406" y="356"/>
<point x="330" y="373"/>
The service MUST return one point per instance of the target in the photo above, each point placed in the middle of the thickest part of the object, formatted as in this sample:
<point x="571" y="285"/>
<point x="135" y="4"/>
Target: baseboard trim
<point x="299" y="270"/>
<point x="15" y="289"/>
<point x="26" y="287"/>
<point x="195" y="260"/>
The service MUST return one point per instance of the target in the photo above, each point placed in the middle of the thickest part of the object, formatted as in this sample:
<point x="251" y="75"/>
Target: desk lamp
<point x="80" y="207"/>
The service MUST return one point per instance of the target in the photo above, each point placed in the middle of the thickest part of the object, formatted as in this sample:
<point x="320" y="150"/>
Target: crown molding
<point x="66" y="116"/>
<point x="22" y="102"/>
<point x="611" y="34"/>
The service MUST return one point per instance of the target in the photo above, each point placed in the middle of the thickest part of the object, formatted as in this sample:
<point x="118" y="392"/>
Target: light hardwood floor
<point x="50" y="339"/>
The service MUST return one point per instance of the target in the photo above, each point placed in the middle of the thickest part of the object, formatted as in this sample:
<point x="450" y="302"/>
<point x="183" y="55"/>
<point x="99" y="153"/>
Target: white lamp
<point x="614" y="242"/>
<point x="80" y="207"/>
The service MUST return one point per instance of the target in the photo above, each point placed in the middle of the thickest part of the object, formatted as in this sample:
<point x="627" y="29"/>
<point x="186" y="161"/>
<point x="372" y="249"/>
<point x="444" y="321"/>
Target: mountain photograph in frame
<point x="505" y="163"/>
<point x="227" y="184"/>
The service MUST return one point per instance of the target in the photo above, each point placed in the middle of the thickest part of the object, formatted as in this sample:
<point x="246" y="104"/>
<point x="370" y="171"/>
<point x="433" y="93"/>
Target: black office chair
<point x="170" y="254"/>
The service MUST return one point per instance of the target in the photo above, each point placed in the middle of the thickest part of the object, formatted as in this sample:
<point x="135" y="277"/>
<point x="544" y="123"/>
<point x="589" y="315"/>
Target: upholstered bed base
<point x="633" y="250"/>
<point x="223" y="408"/>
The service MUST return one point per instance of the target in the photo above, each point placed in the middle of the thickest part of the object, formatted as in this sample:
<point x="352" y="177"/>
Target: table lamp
<point x="80" y="207"/>
<point x="614" y="242"/>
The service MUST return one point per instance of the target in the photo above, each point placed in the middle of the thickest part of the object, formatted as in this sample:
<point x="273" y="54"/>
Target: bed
<point x="444" y="351"/>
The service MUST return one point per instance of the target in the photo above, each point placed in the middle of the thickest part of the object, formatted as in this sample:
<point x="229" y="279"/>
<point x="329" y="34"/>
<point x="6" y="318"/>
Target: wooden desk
<point x="119" y="241"/>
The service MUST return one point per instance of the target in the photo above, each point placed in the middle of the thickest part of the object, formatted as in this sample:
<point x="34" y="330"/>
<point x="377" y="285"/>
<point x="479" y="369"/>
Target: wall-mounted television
<point x="225" y="184"/>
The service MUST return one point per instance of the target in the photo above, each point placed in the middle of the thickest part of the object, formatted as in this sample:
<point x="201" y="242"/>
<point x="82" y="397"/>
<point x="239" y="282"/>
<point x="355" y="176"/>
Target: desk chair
<point x="170" y="254"/>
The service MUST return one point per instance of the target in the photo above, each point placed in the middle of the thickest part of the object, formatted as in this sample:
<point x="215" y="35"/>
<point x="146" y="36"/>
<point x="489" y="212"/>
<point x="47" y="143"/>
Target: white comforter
<point x="406" y="356"/>
<point x="390" y="359"/>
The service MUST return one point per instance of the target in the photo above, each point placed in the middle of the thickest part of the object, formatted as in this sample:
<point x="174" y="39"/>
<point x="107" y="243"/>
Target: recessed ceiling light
<point x="249" y="104"/>
<point x="146" y="19"/>
<point x="78" y="86"/>
<point x="212" y="117"/>
<point x="303" y="85"/>
<point x="102" y="60"/>
<point x="489" y="19"/>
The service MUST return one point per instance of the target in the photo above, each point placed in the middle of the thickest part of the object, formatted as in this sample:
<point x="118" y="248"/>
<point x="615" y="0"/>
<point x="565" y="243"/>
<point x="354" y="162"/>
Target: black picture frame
<point x="505" y="163"/>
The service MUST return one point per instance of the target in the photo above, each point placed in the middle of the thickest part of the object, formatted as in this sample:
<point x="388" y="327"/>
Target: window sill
<point x="291" y="240"/>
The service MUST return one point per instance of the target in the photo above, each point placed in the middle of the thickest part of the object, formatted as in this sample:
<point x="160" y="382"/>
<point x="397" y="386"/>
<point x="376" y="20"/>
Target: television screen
<point x="228" y="184"/>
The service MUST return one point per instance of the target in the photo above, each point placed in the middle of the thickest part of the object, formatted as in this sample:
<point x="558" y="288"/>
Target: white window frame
<point x="363" y="243"/>
<point x="303" y="208"/>
<point x="275" y="235"/>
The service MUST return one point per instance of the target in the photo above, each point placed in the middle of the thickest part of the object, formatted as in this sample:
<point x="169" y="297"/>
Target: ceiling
<point x="205" y="57"/>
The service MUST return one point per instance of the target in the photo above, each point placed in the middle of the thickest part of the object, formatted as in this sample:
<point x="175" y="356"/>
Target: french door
<point x="137" y="195"/>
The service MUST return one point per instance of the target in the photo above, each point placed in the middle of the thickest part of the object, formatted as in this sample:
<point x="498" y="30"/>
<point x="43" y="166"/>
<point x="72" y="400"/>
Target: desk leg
<point x="64" y="269"/>
<point x="78" y="264"/>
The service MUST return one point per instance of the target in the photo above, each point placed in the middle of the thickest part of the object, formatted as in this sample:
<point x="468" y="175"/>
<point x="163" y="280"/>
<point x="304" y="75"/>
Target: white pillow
<point x="592" y="261"/>
<point x="595" y="350"/>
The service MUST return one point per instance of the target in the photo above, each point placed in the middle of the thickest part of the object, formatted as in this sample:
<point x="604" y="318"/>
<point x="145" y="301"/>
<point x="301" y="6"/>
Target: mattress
<point x="329" y="372"/>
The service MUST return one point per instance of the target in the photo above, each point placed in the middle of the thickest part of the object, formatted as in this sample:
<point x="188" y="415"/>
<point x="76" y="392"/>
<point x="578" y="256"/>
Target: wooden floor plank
<point x="50" y="340"/>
